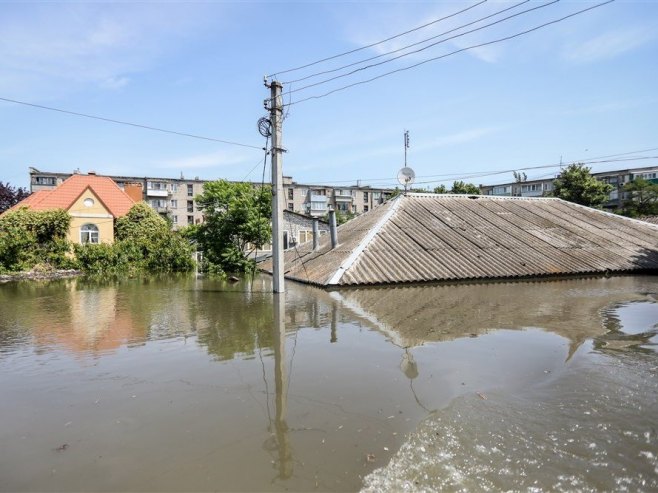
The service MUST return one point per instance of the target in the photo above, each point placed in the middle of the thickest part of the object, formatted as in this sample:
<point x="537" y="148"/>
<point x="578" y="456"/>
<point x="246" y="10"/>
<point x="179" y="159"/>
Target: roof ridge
<point x="395" y="203"/>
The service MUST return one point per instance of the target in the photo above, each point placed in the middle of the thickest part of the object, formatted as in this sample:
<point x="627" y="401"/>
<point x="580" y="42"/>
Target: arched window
<point x="89" y="233"/>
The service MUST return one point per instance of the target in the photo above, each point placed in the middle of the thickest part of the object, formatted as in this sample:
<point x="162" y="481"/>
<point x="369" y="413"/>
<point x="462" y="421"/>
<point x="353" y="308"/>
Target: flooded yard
<point x="184" y="384"/>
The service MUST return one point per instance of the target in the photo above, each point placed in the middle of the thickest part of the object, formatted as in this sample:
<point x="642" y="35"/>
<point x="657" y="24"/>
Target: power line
<point x="493" y="173"/>
<point x="477" y="174"/>
<point x="421" y="42"/>
<point x="110" y="120"/>
<point x="499" y="40"/>
<point x="375" y="44"/>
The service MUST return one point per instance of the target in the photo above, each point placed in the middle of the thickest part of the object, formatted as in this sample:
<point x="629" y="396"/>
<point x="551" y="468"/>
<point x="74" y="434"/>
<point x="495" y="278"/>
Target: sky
<point x="574" y="90"/>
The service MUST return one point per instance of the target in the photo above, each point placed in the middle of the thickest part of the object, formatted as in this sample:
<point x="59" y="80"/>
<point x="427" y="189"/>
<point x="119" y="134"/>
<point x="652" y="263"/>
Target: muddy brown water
<point x="185" y="384"/>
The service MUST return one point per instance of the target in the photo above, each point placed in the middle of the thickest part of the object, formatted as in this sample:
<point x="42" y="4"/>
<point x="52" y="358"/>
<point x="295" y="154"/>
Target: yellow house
<point x="93" y="202"/>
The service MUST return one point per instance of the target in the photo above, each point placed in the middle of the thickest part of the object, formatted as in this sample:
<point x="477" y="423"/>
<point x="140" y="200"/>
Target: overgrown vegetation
<point x="34" y="238"/>
<point x="144" y="243"/>
<point x="236" y="222"/>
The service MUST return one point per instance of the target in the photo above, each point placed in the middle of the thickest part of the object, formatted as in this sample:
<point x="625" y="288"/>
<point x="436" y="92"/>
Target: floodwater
<point x="184" y="384"/>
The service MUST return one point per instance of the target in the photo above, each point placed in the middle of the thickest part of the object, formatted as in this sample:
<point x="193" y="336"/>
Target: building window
<point x="291" y="193"/>
<point x="190" y="219"/>
<point x="502" y="190"/>
<point x="174" y="187"/>
<point x="190" y="206"/>
<point x="156" y="185"/>
<point x="343" y="206"/>
<point x="89" y="233"/>
<point x="365" y="208"/>
<point x="88" y="202"/>
<point x="291" y="206"/>
<point x="174" y="204"/>
<point x="365" y="196"/>
<point x="376" y="195"/>
<point x="44" y="180"/>
<point x="174" y="219"/>
<point x="305" y="236"/>
<point x="158" y="204"/>
<point x="354" y="208"/>
<point x="190" y="190"/>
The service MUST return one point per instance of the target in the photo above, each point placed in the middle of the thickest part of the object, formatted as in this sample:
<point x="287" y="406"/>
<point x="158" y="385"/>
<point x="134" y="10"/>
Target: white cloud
<point x="48" y="47"/>
<point x="609" y="45"/>
<point x="406" y="16"/>
<point x="114" y="83"/>
<point x="463" y="137"/>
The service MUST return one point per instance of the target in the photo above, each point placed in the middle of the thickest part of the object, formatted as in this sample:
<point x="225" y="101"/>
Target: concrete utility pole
<point x="276" y="116"/>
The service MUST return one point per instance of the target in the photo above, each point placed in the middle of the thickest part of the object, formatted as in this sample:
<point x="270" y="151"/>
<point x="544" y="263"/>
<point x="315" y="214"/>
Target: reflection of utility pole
<point x="281" y="388"/>
<point x="334" y="323"/>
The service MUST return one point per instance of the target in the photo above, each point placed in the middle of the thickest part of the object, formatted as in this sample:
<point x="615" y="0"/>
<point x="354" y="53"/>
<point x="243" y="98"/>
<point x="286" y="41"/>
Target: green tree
<point x="237" y="221"/>
<point x="642" y="199"/>
<point x="341" y="217"/>
<point x="576" y="184"/>
<point x="10" y="196"/>
<point x="459" y="187"/>
<point x="519" y="177"/>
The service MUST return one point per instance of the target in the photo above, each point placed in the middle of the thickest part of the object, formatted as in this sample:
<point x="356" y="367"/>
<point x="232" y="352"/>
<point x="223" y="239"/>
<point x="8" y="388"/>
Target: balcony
<point x="343" y="197"/>
<point x="317" y="206"/>
<point x="156" y="193"/>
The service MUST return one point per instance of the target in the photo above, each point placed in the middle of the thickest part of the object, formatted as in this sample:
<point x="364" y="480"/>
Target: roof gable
<point x="115" y="200"/>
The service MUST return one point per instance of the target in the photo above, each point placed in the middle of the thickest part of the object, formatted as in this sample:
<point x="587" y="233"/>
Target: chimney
<point x="316" y="234"/>
<point x="332" y="228"/>
<point x="134" y="191"/>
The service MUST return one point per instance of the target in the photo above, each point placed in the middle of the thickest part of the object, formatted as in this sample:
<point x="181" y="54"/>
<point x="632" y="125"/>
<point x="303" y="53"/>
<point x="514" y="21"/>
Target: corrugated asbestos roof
<point x="428" y="237"/>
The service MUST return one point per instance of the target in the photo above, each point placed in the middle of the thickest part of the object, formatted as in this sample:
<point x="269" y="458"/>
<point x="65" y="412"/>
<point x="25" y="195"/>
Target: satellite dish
<point x="406" y="176"/>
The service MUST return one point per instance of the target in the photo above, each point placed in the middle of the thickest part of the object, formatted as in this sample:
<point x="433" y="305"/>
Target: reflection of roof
<point x="429" y="237"/>
<point x="64" y="196"/>
<point x="414" y="315"/>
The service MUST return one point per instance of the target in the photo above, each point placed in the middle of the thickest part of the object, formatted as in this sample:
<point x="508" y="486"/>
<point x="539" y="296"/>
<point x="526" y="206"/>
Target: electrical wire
<point x="494" y="173"/>
<point x="391" y="182"/>
<point x="480" y="45"/>
<point x="120" y="122"/>
<point x="374" y="44"/>
<point x="426" y="40"/>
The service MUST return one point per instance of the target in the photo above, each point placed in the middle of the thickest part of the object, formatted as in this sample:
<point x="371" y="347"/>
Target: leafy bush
<point x="28" y="238"/>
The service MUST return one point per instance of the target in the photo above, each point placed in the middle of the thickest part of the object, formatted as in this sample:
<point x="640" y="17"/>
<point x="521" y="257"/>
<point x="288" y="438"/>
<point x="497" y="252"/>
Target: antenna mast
<point x="406" y="146"/>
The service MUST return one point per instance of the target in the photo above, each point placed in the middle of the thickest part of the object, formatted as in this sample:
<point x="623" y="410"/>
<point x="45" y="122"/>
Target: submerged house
<point x="417" y="238"/>
<point x="94" y="202"/>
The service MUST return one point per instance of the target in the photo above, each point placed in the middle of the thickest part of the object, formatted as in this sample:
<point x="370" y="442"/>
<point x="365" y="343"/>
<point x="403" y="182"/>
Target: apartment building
<point x="315" y="200"/>
<point x="174" y="197"/>
<point x="539" y="188"/>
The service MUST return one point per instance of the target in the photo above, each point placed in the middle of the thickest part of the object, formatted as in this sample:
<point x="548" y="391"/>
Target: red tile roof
<point x="117" y="202"/>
